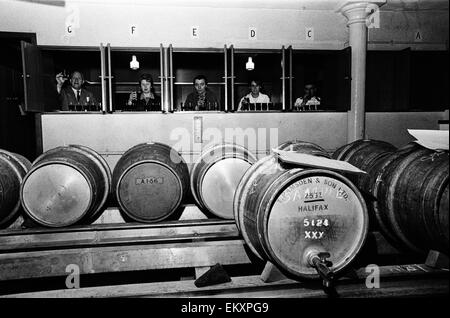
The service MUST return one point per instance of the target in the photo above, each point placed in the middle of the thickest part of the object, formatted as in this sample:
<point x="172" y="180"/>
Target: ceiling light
<point x="134" y="64"/>
<point x="250" y="65"/>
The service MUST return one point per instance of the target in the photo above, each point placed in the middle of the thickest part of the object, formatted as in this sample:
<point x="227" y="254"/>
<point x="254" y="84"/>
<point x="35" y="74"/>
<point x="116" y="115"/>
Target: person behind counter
<point x="73" y="95"/>
<point x="309" y="99"/>
<point x="255" y="96"/>
<point x="202" y="98"/>
<point x="146" y="99"/>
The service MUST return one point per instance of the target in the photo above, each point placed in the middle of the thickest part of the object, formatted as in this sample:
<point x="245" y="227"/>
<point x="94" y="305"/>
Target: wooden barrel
<point x="150" y="182"/>
<point x="366" y="155"/>
<point x="411" y="187"/>
<point x="292" y="145"/>
<point x="290" y="215"/>
<point x="363" y="154"/>
<point x="13" y="168"/>
<point x="216" y="175"/>
<point x="363" y="151"/>
<point x="67" y="185"/>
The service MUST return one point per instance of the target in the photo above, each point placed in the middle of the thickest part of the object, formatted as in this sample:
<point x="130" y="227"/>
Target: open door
<point x="344" y="79"/>
<point x="33" y="79"/>
<point x="402" y="81"/>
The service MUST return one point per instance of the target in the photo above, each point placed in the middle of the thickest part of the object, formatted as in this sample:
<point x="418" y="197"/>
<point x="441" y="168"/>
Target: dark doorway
<point x="17" y="129"/>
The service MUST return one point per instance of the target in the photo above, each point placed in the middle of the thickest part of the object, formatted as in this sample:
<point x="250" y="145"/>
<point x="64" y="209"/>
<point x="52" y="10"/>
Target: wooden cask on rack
<point x="13" y="168"/>
<point x="150" y="182"/>
<point x="410" y="186"/>
<point x="290" y="215"/>
<point x="216" y="175"/>
<point x="66" y="185"/>
<point x="364" y="154"/>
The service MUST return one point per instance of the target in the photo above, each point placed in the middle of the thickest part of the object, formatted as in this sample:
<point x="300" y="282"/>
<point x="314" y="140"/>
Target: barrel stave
<point x="420" y="189"/>
<point x="267" y="173"/>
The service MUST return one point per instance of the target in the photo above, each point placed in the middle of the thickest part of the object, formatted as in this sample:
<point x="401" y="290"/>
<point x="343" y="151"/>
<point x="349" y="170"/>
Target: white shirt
<point x="75" y="92"/>
<point x="262" y="98"/>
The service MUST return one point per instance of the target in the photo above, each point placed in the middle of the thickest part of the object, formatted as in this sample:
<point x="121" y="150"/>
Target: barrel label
<point x="314" y="235"/>
<point x="312" y="208"/>
<point x="321" y="188"/>
<point x="315" y="228"/>
<point x="149" y="180"/>
<point x="320" y="213"/>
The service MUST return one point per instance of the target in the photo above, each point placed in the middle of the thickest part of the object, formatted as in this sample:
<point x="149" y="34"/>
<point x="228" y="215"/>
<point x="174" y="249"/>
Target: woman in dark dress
<point x="145" y="99"/>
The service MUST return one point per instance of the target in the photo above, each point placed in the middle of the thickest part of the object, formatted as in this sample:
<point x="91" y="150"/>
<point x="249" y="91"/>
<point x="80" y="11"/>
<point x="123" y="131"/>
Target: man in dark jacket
<point x="202" y="98"/>
<point x="74" y="94"/>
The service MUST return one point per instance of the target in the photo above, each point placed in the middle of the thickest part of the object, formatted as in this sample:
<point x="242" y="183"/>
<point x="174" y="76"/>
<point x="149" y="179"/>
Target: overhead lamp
<point x="249" y="65"/>
<point x="134" y="64"/>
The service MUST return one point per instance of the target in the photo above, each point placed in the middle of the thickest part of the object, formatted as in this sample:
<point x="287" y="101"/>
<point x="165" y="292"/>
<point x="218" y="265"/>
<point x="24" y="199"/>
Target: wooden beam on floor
<point x="396" y="281"/>
<point x="50" y="263"/>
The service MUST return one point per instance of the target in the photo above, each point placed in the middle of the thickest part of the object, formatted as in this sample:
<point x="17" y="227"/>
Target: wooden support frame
<point x="397" y="281"/>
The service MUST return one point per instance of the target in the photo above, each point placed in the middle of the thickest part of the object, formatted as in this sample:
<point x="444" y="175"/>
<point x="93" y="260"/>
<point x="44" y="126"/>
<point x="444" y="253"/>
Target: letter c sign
<point x="309" y="34"/>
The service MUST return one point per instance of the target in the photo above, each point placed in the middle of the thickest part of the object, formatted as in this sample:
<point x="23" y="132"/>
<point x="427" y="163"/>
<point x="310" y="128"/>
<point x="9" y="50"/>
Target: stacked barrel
<point x="410" y="186"/>
<point x="70" y="185"/>
<point x="295" y="216"/>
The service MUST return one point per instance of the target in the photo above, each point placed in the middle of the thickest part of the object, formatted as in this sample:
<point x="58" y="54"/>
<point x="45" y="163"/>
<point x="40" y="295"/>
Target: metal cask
<point x="150" y="182"/>
<point x="216" y="175"/>
<point x="66" y="185"/>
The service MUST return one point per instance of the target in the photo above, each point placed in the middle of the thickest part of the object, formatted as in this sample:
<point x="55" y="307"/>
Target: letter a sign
<point x="418" y="37"/>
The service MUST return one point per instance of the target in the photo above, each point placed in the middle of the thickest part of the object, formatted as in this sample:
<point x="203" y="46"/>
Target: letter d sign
<point x="252" y="33"/>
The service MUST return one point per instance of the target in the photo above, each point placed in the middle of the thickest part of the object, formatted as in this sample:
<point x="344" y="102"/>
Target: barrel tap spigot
<point x="319" y="261"/>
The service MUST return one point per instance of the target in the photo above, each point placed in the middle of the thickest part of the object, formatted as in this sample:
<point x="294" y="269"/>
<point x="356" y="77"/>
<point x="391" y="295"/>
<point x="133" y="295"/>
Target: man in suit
<point x="74" y="94"/>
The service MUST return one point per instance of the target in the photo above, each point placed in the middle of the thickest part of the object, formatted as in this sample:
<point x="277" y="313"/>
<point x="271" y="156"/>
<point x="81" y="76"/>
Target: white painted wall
<point x="277" y="22"/>
<point x="112" y="134"/>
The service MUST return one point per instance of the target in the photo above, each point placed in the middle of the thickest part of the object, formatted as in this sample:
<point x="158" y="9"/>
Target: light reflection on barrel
<point x="216" y="175"/>
<point x="67" y="185"/>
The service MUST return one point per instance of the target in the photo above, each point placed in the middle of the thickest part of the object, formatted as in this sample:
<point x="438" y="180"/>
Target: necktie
<point x="78" y="95"/>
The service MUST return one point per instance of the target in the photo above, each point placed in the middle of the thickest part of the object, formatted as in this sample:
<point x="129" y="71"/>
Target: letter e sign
<point x="195" y="32"/>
